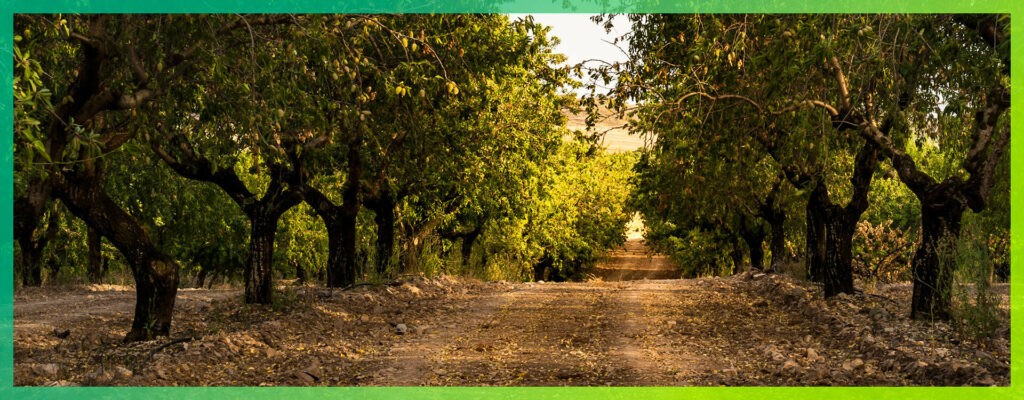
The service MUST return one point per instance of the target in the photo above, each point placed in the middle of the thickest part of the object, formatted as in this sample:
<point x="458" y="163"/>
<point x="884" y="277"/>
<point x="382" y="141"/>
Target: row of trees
<point x="770" y="124"/>
<point x="384" y="141"/>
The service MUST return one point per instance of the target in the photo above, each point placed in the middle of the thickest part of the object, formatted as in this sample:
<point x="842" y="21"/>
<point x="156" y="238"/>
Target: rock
<point x="401" y="329"/>
<point x="856" y="363"/>
<point x="540" y="281"/>
<point x="313" y="370"/>
<point x="307" y="378"/>
<point x="364" y="318"/>
<point x="99" y="376"/>
<point x="412" y="289"/>
<point x="731" y="371"/>
<point x="273" y="353"/>
<point x="778" y="357"/>
<point x="46" y="369"/>
<point x="878" y="313"/>
<point x="160" y="372"/>
<point x="122" y="372"/>
<point x="812" y="355"/>
<point x="987" y="381"/>
<point x="790" y="366"/>
<point x="670" y="323"/>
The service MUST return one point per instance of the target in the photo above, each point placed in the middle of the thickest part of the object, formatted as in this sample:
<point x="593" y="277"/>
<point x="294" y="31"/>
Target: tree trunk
<point x="778" y="243"/>
<point x="542" y="268"/>
<point x="384" y="216"/>
<point x="838" y="272"/>
<point x="467" y="244"/>
<point x="755" y="239"/>
<point x="30" y="260"/>
<point x="95" y="265"/>
<point x="300" y="273"/>
<point x="737" y="256"/>
<point x="156" y="274"/>
<point x="341" y="253"/>
<point x="830" y="228"/>
<point x="32" y="249"/>
<point x="259" y="271"/>
<point x="815" y="229"/>
<point x="201" y="277"/>
<point x="349" y="240"/>
<point x="941" y="214"/>
<point x="829" y="243"/>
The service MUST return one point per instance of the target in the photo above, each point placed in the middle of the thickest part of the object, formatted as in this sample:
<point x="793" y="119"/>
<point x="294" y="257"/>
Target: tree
<point x="106" y="74"/>
<point x="788" y="90"/>
<point x="943" y="76"/>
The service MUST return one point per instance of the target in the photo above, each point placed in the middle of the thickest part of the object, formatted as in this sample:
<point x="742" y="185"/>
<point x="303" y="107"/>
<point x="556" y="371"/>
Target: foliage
<point x="882" y="252"/>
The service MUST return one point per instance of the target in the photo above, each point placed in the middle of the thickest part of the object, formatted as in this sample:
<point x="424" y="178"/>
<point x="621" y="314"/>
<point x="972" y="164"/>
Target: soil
<point x="626" y="327"/>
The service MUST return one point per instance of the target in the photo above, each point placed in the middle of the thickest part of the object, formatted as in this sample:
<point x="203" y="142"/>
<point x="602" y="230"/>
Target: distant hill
<point x="616" y="137"/>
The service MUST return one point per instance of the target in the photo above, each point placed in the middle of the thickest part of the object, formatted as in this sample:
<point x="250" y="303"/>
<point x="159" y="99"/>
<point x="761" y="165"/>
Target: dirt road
<point x="627" y="329"/>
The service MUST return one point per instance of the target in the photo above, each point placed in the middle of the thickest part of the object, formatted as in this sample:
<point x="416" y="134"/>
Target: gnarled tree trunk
<point x="830" y="228"/>
<point x="156" y="274"/>
<point x="941" y="213"/>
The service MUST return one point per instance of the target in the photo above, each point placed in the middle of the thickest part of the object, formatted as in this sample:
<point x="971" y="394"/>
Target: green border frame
<point x="1013" y="7"/>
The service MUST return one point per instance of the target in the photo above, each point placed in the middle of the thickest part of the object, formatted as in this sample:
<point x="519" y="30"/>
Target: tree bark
<point x="737" y="256"/>
<point x="383" y="207"/>
<point x="754" y="238"/>
<point x="830" y="228"/>
<point x="941" y="214"/>
<point x="340" y="222"/>
<point x="467" y="244"/>
<point x="259" y="271"/>
<point x="815" y="240"/>
<point x="300" y="273"/>
<point x="156" y="274"/>
<point x="771" y="211"/>
<point x="30" y="260"/>
<point x="542" y="269"/>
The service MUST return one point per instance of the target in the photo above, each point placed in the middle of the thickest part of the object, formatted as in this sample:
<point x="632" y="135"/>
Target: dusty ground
<point x="743" y="330"/>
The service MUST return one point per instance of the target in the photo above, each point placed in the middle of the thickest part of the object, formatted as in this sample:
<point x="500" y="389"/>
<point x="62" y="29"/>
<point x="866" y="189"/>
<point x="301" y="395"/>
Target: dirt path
<point x="634" y="261"/>
<point x="34" y="310"/>
<point x="550" y="334"/>
<point x="640" y="331"/>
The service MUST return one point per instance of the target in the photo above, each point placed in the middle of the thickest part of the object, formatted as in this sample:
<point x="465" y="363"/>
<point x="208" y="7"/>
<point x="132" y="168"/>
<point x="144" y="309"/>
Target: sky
<point x="582" y="39"/>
